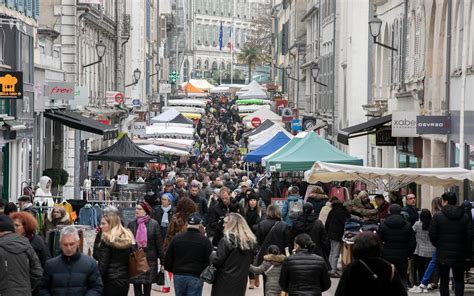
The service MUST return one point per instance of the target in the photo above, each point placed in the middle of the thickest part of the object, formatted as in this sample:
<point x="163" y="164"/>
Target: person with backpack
<point x="293" y="206"/>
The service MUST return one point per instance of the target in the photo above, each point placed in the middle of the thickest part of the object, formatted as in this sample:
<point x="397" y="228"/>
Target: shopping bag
<point x="166" y="288"/>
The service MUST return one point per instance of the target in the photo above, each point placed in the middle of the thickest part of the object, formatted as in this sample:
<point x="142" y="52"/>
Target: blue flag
<point x="220" y="38"/>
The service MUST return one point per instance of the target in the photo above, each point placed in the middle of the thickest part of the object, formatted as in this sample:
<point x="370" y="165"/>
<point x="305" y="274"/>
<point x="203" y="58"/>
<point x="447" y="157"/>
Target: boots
<point x="252" y="284"/>
<point x="257" y="281"/>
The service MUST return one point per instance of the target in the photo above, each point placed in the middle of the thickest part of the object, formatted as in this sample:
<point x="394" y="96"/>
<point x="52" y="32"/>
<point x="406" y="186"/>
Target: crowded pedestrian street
<point x="232" y="148"/>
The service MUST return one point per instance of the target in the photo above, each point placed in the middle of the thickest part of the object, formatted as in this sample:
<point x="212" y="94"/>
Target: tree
<point x="261" y="36"/>
<point x="249" y="55"/>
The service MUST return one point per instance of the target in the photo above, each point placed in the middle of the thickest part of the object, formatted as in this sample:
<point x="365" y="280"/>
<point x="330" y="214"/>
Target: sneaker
<point x="432" y="286"/>
<point x="416" y="289"/>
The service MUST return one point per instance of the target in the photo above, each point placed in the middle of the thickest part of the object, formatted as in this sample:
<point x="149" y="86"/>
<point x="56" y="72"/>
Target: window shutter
<point x="37" y="9"/>
<point x="407" y="52"/>
<point x="417" y="53"/>
<point x="20" y="6"/>
<point x="29" y="7"/>
<point x="11" y="3"/>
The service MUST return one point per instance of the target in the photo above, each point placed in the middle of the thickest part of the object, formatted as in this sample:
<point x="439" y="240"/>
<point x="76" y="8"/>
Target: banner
<point x="404" y="124"/>
<point x="435" y="125"/>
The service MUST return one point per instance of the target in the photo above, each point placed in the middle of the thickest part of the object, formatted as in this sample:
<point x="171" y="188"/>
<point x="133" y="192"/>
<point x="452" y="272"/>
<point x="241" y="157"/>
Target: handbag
<point x="208" y="274"/>
<point x="137" y="263"/>
<point x="160" y="279"/>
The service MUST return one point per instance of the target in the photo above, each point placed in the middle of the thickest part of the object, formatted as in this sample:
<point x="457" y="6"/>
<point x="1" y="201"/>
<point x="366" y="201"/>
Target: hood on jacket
<point x="121" y="242"/>
<point x="318" y="196"/>
<point x="305" y="222"/>
<point x="395" y="221"/>
<point x="43" y="183"/>
<point x="274" y="259"/>
<point x="14" y="243"/>
<point x="453" y="212"/>
<point x="64" y="219"/>
<point x="293" y="197"/>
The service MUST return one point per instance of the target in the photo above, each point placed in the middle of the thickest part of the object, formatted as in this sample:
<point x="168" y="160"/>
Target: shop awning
<point x="362" y="129"/>
<point x="275" y="143"/>
<point x="76" y="121"/>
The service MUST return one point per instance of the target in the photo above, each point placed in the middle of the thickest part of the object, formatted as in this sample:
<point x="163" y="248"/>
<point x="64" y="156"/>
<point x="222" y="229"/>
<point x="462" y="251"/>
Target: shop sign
<point x="11" y="85"/>
<point x="296" y="124"/>
<point x="155" y="107"/>
<point x="165" y="88"/>
<point x="438" y="125"/>
<point x="384" y="138"/>
<point x="60" y="91"/>
<point x="136" y="102"/>
<point x="139" y="128"/>
<point x="404" y="124"/>
<point x="286" y="115"/>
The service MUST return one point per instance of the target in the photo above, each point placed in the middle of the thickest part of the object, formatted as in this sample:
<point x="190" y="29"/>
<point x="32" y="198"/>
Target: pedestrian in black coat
<point x="450" y="233"/>
<point x="265" y="194"/>
<point x="368" y="274"/>
<point x="335" y="229"/>
<point x="233" y="257"/>
<point x="318" y="199"/>
<point x="411" y="209"/>
<point x="217" y="212"/>
<point x="201" y="202"/>
<point x="112" y="254"/>
<point x="398" y="240"/>
<point x="159" y="211"/>
<point x="304" y="273"/>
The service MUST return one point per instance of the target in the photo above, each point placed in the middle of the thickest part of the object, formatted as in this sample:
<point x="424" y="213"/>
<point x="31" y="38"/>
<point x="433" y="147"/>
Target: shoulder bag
<point x="208" y="274"/>
<point x="137" y="263"/>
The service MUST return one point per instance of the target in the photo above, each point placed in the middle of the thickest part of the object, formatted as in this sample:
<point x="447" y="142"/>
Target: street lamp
<point x="136" y="77"/>
<point x="100" y="48"/>
<point x="288" y="70"/>
<point x="315" y="73"/>
<point x="157" y="69"/>
<point x="375" y="24"/>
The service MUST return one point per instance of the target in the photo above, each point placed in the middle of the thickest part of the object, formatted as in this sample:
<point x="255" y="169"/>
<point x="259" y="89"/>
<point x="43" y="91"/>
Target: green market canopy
<point x="301" y="155"/>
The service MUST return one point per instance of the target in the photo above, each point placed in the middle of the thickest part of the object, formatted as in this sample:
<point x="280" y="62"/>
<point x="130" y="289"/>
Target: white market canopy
<point x="252" y="84"/>
<point x="219" y="90"/>
<point x="171" y="115"/>
<point x="201" y="84"/>
<point x="166" y="130"/>
<point x="157" y="149"/>
<point x="186" y="109"/>
<point x="251" y="108"/>
<point x="263" y="113"/>
<point x="254" y="91"/>
<point x="185" y="144"/>
<point x="390" y="179"/>
<point x="273" y="130"/>
<point x="187" y="102"/>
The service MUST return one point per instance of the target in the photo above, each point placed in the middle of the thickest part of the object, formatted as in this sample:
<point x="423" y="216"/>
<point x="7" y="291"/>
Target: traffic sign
<point x="165" y="88"/>
<point x="256" y="121"/>
<point x="296" y="124"/>
<point x="286" y="115"/>
<point x="136" y="102"/>
<point x="118" y="98"/>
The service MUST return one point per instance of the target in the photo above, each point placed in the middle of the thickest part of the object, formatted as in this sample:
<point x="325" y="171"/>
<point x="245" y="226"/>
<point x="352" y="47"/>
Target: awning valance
<point x="362" y="129"/>
<point x="76" y="121"/>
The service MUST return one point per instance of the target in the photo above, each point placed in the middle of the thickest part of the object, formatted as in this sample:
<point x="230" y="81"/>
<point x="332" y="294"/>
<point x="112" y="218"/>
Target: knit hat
<point x="194" y="219"/>
<point x="169" y="196"/>
<point x="395" y="209"/>
<point x="146" y="207"/>
<point x="6" y="224"/>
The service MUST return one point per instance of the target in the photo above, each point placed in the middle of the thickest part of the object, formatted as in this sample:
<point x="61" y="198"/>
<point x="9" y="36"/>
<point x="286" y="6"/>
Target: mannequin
<point x="43" y="193"/>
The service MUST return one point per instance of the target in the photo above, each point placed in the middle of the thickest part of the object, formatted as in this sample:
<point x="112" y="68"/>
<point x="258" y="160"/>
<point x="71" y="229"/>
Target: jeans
<point x="429" y="270"/>
<point x="421" y="265"/>
<point x="458" y="279"/>
<point x="334" y="255"/>
<point x="186" y="285"/>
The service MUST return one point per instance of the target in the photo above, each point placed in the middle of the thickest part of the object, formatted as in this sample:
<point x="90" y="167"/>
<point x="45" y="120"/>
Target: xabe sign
<point x="404" y="124"/>
<point x="440" y="125"/>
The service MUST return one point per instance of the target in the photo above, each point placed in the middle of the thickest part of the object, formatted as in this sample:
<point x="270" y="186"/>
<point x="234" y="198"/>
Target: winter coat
<point x="424" y="248"/>
<point x="22" y="271"/>
<point x="50" y="224"/>
<point x="358" y="280"/>
<point x="312" y="226"/>
<point x="202" y="206"/>
<point x="215" y="220"/>
<point x="268" y="235"/>
<point x="286" y="209"/>
<point x="77" y="275"/>
<point x="450" y="233"/>
<point x="412" y="214"/>
<point x="112" y="257"/>
<point x="383" y="211"/>
<point x="232" y="264"/>
<point x="252" y="217"/>
<point x="40" y="248"/>
<point x="398" y="239"/>
<point x="365" y="210"/>
<point x="271" y="267"/>
<point x="188" y="253"/>
<point x="304" y="273"/>
<point x="318" y="201"/>
<point x="336" y="220"/>
<point x="157" y="215"/>
<point x="154" y="251"/>
<point x="265" y="195"/>
<point x="323" y="215"/>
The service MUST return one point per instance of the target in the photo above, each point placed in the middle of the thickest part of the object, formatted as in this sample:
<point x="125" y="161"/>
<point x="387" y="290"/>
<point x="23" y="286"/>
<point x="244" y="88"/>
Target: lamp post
<point x="100" y="48"/>
<point x="375" y="24"/>
<point x="315" y="73"/>
<point x="136" y="77"/>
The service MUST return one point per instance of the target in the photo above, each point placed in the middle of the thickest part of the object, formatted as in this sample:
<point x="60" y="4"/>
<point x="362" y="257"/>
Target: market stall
<point x="258" y="140"/>
<point x="275" y="143"/>
<point x="164" y="150"/>
<point x="167" y="131"/>
<point x="263" y="126"/>
<point x="171" y="115"/>
<point x="264" y="113"/>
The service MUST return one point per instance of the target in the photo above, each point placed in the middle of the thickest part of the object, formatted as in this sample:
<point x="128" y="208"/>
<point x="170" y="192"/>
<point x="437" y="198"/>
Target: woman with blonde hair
<point x="112" y="253"/>
<point x="233" y="257"/>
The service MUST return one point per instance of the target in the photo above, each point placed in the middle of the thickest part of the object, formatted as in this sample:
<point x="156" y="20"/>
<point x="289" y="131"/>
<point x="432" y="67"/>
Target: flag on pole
<point x="229" y="44"/>
<point x="220" y="38"/>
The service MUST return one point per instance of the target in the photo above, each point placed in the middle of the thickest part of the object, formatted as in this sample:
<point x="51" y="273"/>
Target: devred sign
<point x="256" y="121"/>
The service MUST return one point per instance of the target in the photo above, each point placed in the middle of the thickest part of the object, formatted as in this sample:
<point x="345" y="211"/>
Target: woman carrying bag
<point x="113" y="254"/>
<point x="147" y="236"/>
<point x="233" y="257"/>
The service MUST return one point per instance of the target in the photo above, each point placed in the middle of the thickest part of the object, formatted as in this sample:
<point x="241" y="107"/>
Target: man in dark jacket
<point x="318" y="199"/>
<point x="71" y="273"/>
<point x="199" y="201"/>
<point x="335" y="229"/>
<point x="450" y="233"/>
<point x="398" y="240"/>
<point x="411" y="209"/>
<point x="265" y="194"/>
<point x="382" y="207"/>
<point x="20" y="268"/>
<point x="217" y="212"/>
<point x="187" y="256"/>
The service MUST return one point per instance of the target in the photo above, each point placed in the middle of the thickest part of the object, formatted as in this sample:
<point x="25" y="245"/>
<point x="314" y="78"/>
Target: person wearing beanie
<point x="147" y="236"/>
<point x="24" y="268"/>
<point x="398" y="240"/>
<point x="187" y="256"/>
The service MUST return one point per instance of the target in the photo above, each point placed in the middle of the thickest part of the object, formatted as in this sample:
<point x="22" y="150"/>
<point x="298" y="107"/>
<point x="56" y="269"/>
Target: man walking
<point x="411" y="209"/>
<point x="20" y="268"/>
<point x="199" y="201"/>
<point x="293" y="206"/>
<point x="187" y="256"/>
<point x="450" y="233"/>
<point x="71" y="273"/>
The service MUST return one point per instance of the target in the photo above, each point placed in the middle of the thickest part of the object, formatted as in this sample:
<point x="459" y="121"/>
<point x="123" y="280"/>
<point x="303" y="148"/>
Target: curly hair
<point x="29" y="222"/>
<point x="185" y="207"/>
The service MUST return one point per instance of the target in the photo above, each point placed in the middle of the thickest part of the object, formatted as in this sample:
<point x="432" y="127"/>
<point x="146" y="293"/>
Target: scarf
<point x="165" y="221"/>
<point x="142" y="236"/>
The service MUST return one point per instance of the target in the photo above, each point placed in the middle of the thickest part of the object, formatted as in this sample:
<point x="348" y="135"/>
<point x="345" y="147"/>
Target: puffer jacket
<point x="23" y="268"/>
<point x="318" y="201"/>
<point x="77" y="275"/>
<point x="304" y="273"/>
<point x="450" y="233"/>
<point x="268" y="235"/>
<point x="398" y="239"/>
<point x="312" y="226"/>
<point x="112" y="257"/>
<point x="271" y="267"/>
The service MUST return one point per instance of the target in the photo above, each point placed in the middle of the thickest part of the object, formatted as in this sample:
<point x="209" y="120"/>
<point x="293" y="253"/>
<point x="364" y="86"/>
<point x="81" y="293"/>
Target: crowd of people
<point x="221" y="215"/>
